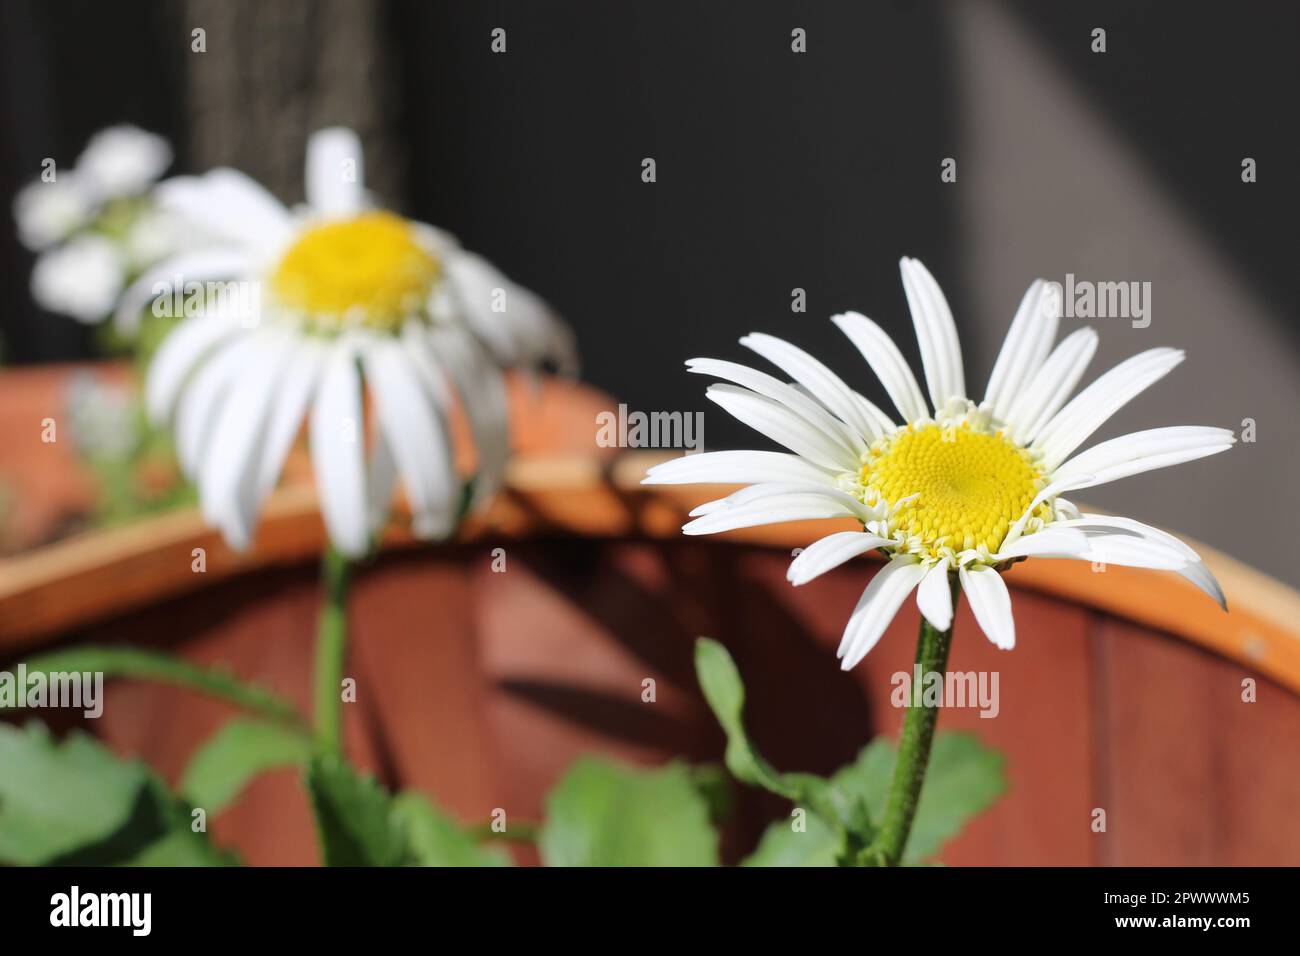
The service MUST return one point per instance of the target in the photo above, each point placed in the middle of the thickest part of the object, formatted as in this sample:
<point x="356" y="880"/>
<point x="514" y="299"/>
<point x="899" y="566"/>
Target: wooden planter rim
<point x="73" y="584"/>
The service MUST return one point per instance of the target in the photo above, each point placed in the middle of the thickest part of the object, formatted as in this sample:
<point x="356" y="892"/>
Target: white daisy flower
<point x="120" y="162"/>
<point x="331" y="303"/>
<point x="957" y="486"/>
<point x="92" y="224"/>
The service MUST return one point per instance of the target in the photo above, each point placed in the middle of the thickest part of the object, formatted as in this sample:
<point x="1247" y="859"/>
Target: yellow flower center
<point x="369" y="268"/>
<point x="970" y="486"/>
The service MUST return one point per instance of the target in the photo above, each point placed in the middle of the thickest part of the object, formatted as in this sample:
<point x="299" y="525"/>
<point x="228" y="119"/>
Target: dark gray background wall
<point x="775" y="171"/>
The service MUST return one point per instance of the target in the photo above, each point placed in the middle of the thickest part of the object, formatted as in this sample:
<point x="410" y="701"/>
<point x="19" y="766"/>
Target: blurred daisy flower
<point x="957" y="487"/>
<point x="328" y="312"/>
<point x="94" y="225"/>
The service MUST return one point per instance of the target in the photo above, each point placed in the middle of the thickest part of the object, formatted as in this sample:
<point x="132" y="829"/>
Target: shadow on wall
<point x="1126" y="166"/>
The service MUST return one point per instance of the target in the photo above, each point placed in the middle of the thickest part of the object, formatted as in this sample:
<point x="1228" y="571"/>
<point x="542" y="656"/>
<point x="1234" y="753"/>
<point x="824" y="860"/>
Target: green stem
<point x="155" y="666"/>
<point x="913" y="747"/>
<point x="331" y="649"/>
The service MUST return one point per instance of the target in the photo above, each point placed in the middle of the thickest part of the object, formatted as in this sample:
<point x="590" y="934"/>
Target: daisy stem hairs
<point x="954" y="494"/>
<point x="331" y="651"/>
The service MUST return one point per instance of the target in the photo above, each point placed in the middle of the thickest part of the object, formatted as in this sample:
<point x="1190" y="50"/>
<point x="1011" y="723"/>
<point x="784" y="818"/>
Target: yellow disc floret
<point x="970" y="486"/>
<point x="369" y="269"/>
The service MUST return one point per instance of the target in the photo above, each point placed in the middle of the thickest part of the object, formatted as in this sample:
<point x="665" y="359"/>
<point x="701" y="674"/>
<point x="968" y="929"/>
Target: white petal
<point x="1054" y="541"/>
<point x="1088" y="410"/>
<point x="783" y="426"/>
<point x="46" y="213"/>
<point x="807" y="503"/>
<point x="735" y="467"/>
<point x="779" y="511"/>
<point x="201" y="265"/>
<point x="770" y="489"/>
<point x="1026" y="346"/>
<point x="516" y="325"/>
<point x="122" y="161"/>
<point x="877" y="607"/>
<point x="335" y="172"/>
<point x="830" y="552"/>
<point x="82" y="278"/>
<point x="418" y="340"/>
<point x="1170" y="547"/>
<point x="300" y="378"/>
<point x="788" y="395"/>
<point x="195" y="412"/>
<point x="337" y="451"/>
<point x="886" y="361"/>
<point x="228" y="469"/>
<point x="934" y="596"/>
<point x="476" y="285"/>
<point x="1132" y="526"/>
<point x="1065" y="509"/>
<point x="1047" y="391"/>
<point x="176" y="357"/>
<point x="1147" y="450"/>
<point x="991" y="603"/>
<point x="229" y="206"/>
<point x="936" y="333"/>
<point x="1131" y="551"/>
<point x="482" y="391"/>
<point x="546" y="337"/>
<point x="884" y="424"/>
<point x="1200" y="575"/>
<point x="827" y="387"/>
<point x="1053" y="489"/>
<point x="381" y="476"/>
<point x="417" y="437"/>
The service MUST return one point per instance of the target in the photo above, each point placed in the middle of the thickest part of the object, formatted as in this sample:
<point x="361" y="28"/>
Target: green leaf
<point x="434" y="839"/>
<point x="164" y="668"/>
<point x="601" y="814"/>
<point x="963" y="778"/>
<point x="723" y="689"/>
<point x="75" y="803"/>
<point x="181" y="847"/>
<point x="713" y="784"/>
<point x="864" y="784"/>
<point x="817" y="844"/>
<point x="353" y="816"/>
<point x="237" y="753"/>
<point x="55" y="798"/>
